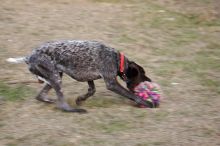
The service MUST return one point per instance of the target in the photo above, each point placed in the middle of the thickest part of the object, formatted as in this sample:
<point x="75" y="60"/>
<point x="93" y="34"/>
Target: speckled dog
<point x="84" y="61"/>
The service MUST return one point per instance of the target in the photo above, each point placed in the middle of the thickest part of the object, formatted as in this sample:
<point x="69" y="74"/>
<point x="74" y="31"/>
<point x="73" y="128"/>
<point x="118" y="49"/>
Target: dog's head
<point x="135" y="74"/>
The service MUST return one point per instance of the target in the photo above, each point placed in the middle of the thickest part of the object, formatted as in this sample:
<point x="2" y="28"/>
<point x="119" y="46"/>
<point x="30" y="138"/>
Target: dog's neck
<point x="122" y="66"/>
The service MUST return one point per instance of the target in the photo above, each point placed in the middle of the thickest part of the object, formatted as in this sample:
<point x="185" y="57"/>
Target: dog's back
<point x="82" y="60"/>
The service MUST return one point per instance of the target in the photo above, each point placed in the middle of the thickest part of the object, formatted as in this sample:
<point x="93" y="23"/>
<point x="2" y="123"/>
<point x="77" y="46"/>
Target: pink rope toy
<point x="148" y="91"/>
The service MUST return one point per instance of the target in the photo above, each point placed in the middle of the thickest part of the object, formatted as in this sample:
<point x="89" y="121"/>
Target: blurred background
<point x="177" y="43"/>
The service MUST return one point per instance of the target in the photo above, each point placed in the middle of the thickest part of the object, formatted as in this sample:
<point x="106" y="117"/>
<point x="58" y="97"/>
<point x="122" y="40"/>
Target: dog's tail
<point x="17" y="60"/>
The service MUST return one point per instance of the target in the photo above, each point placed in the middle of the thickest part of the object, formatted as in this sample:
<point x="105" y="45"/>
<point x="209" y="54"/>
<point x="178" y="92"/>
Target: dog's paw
<point x="80" y="111"/>
<point x="66" y="108"/>
<point x="45" y="99"/>
<point x="144" y="103"/>
<point x="75" y="110"/>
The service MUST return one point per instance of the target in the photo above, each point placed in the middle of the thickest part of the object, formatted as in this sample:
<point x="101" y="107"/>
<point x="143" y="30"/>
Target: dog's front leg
<point x="91" y="91"/>
<point x="113" y="85"/>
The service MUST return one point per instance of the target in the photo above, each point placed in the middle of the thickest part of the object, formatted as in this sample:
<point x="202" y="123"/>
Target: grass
<point x="202" y="67"/>
<point x="111" y="1"/>
<point x="172" y="43"/>
<point x="11" y="144"/>
<point x="206" y="67"/>
<point x="181" y="32"/>
<point x="103" y="102"/>
<point x="114" y="126"/>
<point x="14" y="93"/>
<point x="160" y="116"/>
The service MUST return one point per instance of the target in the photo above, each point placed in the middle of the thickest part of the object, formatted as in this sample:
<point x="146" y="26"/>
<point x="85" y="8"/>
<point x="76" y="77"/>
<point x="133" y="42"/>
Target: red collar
<point x="122" y="62"/>
<point x="122" y="66"/>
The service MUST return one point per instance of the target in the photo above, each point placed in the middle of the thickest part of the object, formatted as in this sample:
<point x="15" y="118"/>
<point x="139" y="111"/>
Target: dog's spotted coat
<point x="83" y="61"/>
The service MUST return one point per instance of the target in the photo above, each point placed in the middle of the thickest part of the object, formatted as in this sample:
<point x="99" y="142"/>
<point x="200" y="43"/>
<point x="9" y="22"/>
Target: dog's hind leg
<point x="55" y="82"/>
<point x="48" y="71"/>
<point x="91" y="91"/>
<point x="42" y="96"/>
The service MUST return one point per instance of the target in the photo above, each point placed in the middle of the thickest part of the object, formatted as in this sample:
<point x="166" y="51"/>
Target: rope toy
<point x="149" y="92"/>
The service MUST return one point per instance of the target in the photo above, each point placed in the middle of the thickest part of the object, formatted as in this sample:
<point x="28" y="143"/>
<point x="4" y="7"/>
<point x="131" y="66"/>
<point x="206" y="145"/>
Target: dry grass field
<point x="177" y="42"/>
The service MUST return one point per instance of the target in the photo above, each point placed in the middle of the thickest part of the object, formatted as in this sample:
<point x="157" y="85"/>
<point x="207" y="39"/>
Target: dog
<point x="84" y="61"/>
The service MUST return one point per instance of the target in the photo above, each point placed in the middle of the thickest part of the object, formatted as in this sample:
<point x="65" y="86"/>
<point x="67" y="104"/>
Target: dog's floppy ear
<point x="132" y="70"/>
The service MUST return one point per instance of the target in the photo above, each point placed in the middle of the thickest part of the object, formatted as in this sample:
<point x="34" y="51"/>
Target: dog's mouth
<point x="147" y="79"/>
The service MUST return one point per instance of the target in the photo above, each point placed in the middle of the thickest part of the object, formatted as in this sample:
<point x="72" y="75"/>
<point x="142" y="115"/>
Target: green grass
<point x="180" y="20"/>
<point x="11" y="144"/>
<point x="201" y="64"/>
<point x="204" y="68"/>
<point x="174" y="45"/>
<point x="103" y="102"/>
<point x="14" y="93"/>
<point x="124" y="38"/>
<point x="161" y="115"/>
<point x="111" y="1"/>
<point x="2" y="124"/>
<point x="114" y="126"/>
